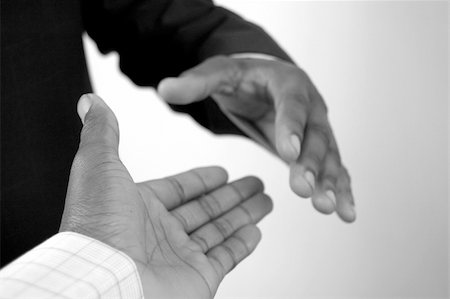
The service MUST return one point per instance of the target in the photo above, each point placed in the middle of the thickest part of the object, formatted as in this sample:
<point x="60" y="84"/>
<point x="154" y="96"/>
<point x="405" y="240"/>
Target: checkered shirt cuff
<point x="71" y="265"/>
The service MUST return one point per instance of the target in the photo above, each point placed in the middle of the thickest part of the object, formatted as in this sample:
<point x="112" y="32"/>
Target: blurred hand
<point x="283" y="104"/>
<point x="184" y="232"/>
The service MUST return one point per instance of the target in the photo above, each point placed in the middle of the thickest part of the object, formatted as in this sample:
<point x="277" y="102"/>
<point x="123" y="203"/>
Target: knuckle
<point x="200" y="242"/>
<point x="237" y="192"/>
<point x="199" y="176"/>
<point x="333" y="157"/>
<point x="95" y="156"/>
<point x="210" y="205"/>
<point x="314" y="159"/>
<point x="297" y="97"/>
<point x="330" y="166"/>
<point x="321" y="131"/>
<point x="234" y="258"/>
<point x="97" y="132"/>
<point x="329" y="180"/>
<point x="295" y="74"/>
<point x="184" y="222"/>
<point x="242" y="243"/>
<point x="224" y="227"/>
<point x="178" y="187"/>
<point x="247" y="214"/>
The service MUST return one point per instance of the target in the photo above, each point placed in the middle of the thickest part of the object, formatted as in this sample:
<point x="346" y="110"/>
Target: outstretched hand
<point x="184" y="232"/>
<point x="281" y="101"/>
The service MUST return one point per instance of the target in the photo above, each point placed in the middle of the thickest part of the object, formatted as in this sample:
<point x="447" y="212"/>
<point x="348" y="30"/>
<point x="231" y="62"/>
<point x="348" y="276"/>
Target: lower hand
<point x="281" y="101"/>
<point x="184" y="232"/>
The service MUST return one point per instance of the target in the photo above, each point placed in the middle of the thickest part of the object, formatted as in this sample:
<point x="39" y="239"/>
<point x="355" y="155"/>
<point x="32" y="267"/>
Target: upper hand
<point x="283" y="103"/>
<point x="184" y="232"/>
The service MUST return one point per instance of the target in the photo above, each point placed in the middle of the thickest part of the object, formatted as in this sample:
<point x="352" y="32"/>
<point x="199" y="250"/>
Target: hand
<point x="283" y="104"/>
<point x="184" y="232"/>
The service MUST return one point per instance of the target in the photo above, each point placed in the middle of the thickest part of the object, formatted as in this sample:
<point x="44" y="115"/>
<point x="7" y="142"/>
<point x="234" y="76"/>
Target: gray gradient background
<point x="382" y="67"/>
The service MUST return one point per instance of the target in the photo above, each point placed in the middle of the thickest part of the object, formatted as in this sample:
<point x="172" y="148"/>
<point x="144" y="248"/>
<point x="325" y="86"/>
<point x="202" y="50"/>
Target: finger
<point x="208" y="207"/>
<point x="214" y="75"/>
<point x="292" y="106"/>
<point x="324" y="197"/>
<point x="100" y="128"/>
<point x="237" y="247"/>
<point x="94" y="164"/>
<point x="290" y="121"/>
<point x="336" y="177"/>
<point x="175" y="190"/>
<point x="345" y="206"/>
<point x="304" y="173"/>
<point x="249" y="212"/>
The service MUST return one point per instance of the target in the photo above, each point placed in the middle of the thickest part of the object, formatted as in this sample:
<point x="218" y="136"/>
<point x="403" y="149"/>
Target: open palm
<point x="184" y="232"/>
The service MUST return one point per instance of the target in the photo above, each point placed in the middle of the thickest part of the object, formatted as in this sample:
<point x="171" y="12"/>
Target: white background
<point x="383" y="70"/>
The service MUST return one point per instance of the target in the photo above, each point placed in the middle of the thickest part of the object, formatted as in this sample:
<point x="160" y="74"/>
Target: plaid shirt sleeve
<point x="71" y="265"/>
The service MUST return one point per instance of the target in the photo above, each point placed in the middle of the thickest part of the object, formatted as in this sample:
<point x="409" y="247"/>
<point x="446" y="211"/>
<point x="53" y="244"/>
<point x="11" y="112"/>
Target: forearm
<point x="162" y="38"/>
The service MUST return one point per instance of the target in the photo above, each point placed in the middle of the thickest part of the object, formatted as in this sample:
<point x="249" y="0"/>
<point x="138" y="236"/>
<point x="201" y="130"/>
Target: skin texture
<point x="281" y="101"/>
<point x="184" y="232"/>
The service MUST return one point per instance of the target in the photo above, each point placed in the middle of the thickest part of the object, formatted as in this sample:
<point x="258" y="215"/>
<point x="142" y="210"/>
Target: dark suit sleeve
<point x="160" y="38"/>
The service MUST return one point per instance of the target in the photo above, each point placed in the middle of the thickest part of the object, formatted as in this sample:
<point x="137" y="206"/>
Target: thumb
<point x="100" y="128"/>
<point x="214" y="75"/>
<point x="97" y="153"/>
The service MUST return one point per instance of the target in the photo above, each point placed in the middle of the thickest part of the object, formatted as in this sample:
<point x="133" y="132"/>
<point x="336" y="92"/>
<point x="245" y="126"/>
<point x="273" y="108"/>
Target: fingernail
<point x="330" y="194"/>
<point x="84" y="104"/>
<point x="295" y="142"/>
<point x="351" y="214"/>
<point x="309" y="177"/>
